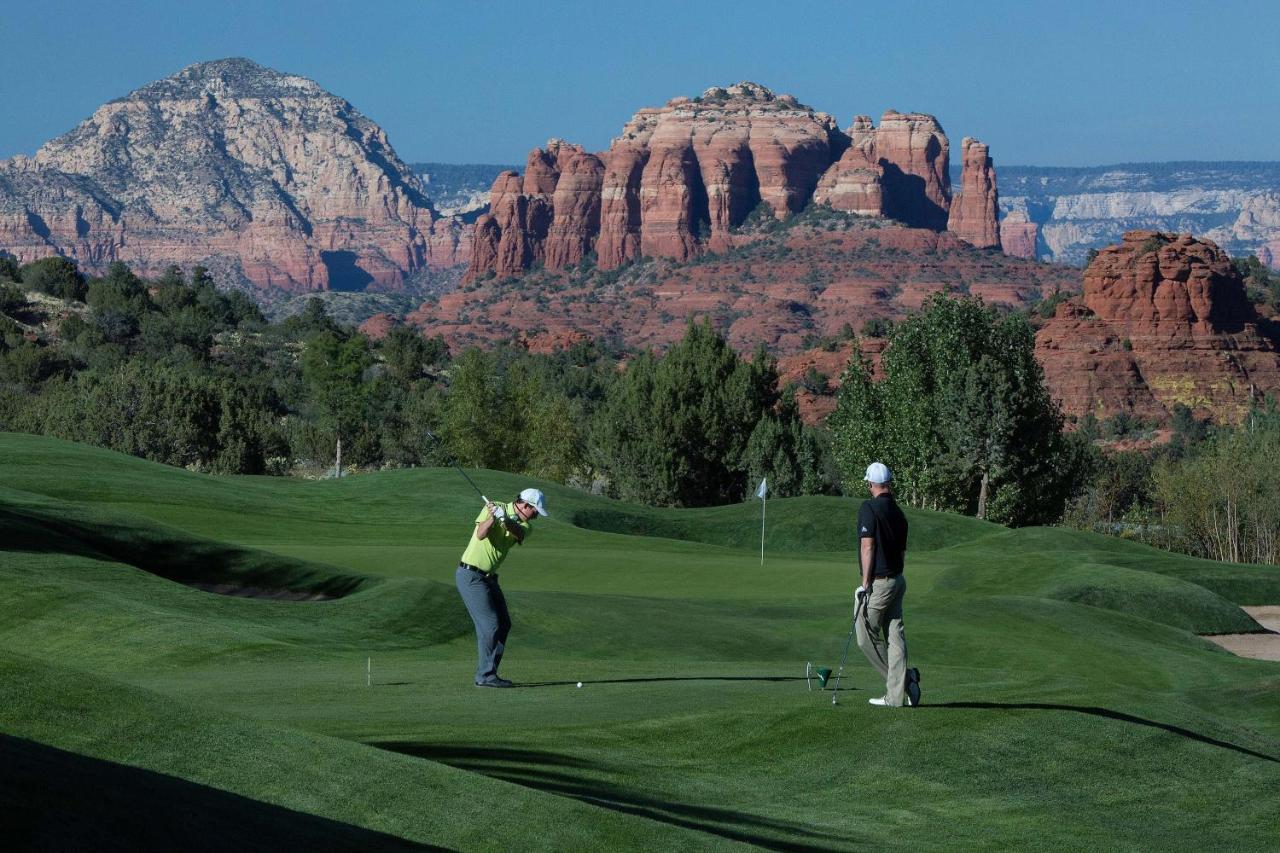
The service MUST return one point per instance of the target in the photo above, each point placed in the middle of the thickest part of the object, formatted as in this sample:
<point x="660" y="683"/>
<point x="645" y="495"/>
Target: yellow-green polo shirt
<point x="487" y="554"/>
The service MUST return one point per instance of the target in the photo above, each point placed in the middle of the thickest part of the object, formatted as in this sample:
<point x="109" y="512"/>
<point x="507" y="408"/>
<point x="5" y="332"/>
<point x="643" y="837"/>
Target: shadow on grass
<point x="169" y="553"/>
<point x="1105" y="713"/>
<point x="570" y="776"/>
<point x="56" y="800"/>
<point x="659" y="678"/>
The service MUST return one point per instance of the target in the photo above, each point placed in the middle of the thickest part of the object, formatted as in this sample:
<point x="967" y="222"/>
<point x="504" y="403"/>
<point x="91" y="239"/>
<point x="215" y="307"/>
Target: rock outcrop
<point x="681" y="179"/>
<point x="855" y="182"/>
<point x="235" y="166"/>
<point x="1163" y="320"/>
<point x="914" y="151"/>
<point x="1018" y="235"/>
<point x="973" y="216"/>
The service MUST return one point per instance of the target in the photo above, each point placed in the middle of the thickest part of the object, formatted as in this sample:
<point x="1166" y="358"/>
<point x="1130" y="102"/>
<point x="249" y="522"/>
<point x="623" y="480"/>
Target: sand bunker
<point x="1259" y="646"/>
<point x="262" y="592"/>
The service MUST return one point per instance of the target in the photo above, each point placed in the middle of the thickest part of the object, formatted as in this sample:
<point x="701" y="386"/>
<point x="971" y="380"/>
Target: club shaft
<point x="455" y="464"/>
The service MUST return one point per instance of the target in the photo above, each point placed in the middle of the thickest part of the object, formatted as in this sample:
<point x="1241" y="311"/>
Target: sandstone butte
<point x="682" y="179"/>
<point x="263" y="177"/>
<point x="1163" y="320"/>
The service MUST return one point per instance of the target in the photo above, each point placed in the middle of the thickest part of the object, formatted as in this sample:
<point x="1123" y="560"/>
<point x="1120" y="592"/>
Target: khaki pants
<point x="881" y="620"/>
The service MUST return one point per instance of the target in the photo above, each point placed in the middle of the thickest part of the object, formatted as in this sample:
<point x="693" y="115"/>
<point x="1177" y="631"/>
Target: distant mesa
<point x="1059" y="213"/>
<point x="680" y="179"/>
<point x="1163" y="320"/>
<point x="260" y="175"/>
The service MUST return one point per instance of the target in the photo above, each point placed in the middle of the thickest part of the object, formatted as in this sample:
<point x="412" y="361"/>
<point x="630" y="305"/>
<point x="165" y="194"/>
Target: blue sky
<point x="1044" y="83"/>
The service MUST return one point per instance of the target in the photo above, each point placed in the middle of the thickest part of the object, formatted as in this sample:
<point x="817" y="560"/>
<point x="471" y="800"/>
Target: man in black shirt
<point x="882" y="540"/>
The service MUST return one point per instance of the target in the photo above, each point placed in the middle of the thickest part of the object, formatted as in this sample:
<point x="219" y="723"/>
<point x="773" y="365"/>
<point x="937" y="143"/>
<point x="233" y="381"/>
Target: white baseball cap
<point x="535" y="499"/>
<point x="878" y="473"/>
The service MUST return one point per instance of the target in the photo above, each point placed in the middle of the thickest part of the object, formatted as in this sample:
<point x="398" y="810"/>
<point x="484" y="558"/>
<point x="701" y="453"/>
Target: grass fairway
<point x="1068" y="703"/>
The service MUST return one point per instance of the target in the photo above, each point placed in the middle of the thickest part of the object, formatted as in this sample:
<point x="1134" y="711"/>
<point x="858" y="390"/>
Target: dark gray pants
<point x="488" y="608"/>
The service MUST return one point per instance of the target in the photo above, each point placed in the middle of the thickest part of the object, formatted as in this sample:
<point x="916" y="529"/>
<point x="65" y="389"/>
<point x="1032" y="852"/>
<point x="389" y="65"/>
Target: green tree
<point x="785" y="451"/>
<point x="11" y="298"/>
<point x="405" y="353"/>
<point x="9" y="268"/>
<point x="962" y="417"/>
<point x="674" y="430"/>
<point x="56" y="276"/>
<point x="334" y="372"/>
<point x="478" y="421"/>
<point x="118" y="302"/>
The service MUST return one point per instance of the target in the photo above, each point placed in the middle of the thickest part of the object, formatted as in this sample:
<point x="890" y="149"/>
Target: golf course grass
<point x="1068" y="702"/>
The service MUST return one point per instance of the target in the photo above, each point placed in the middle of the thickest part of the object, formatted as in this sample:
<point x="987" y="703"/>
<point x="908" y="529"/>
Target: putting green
<point x="1069" y="703"/>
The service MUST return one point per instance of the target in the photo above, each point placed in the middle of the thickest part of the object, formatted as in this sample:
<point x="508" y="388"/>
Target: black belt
<point x="894" y="575"/>
<point x="480" y="572"/>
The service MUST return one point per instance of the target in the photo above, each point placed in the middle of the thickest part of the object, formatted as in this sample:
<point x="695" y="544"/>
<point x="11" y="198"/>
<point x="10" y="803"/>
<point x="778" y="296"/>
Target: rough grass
<point x="1069" y="702"/>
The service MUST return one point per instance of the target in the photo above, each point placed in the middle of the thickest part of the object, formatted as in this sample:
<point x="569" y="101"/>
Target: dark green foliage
<point x="1152" y="244"/>
<point x="11" y="298"/>
<point x="1117" y="490"/>
<point x="962" y="417"/>
<point x="409" y="356"/>
<point x="313" y="319"/>
<point x="877" y="327"/>
<point x="9" y="268"/>
<point x="790" y="454"/>
<point x="172" y="415"/>
<point x="815" y="381"/>
<point x="56" y="276"/>
<point x="1261" y="283"/>
<point x="674" y="429"/>
<point x="28" y="364"/>
<point x="504" y="411"/>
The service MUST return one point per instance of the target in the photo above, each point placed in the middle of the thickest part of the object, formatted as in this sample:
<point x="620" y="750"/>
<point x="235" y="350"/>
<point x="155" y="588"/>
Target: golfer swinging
<point x="497" y="529"/>
<point x="882" y="539"/>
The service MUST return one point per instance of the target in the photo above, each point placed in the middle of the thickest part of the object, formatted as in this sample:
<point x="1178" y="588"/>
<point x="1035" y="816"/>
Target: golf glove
<point x="859" y="593"/>
<point x="498" y="513"/>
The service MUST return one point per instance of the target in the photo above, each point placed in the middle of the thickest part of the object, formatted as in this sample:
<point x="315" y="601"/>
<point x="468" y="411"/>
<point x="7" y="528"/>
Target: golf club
<point x="454" y="463"/>
<point x="852" y="627"/>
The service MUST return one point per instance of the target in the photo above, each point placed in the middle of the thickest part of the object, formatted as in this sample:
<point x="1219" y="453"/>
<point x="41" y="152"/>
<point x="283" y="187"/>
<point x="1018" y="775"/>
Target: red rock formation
<point x="1018" y="235"/>
<point x="251" y="172"/>
<point x="914" y="151"/>
<point x="575" y="208"/>
<point x="551" y="215"/>
<point x="379" y="326"/>
<point x="681" y="178"/>
<point x="1164" y="320"/>
<point x="619" y="238"/>
<point x="974" y="215"/>
<point x="855" y="182"/>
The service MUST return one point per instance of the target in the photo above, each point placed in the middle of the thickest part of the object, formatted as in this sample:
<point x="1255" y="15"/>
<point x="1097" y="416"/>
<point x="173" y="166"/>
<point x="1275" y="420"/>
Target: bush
<point x="11" y="298"/>
<point x="55" y="276"/>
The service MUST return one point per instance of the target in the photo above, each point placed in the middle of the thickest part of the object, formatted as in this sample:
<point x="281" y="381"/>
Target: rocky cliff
<point x="1163" y="320"/>
<point x="1062" y="213"/>
<point x="236" y="166"/>
<point x="682" y="179"/>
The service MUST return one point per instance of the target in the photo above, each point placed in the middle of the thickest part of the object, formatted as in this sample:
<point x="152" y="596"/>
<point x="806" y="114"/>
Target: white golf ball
<point x="579" y="683"/>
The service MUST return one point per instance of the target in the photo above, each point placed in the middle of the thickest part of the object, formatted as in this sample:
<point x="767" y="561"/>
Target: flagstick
<point x="368" y="673"/>
<point x="763" y="501"/>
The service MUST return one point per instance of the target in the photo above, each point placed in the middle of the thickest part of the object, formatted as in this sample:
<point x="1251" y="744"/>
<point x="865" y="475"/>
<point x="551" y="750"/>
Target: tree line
<point x="180" y="372"/>
<point x="177" y="371"/>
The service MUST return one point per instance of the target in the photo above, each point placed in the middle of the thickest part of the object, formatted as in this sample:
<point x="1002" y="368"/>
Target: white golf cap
<point x="535" y="499"/>
<point x="878" y="473"/>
